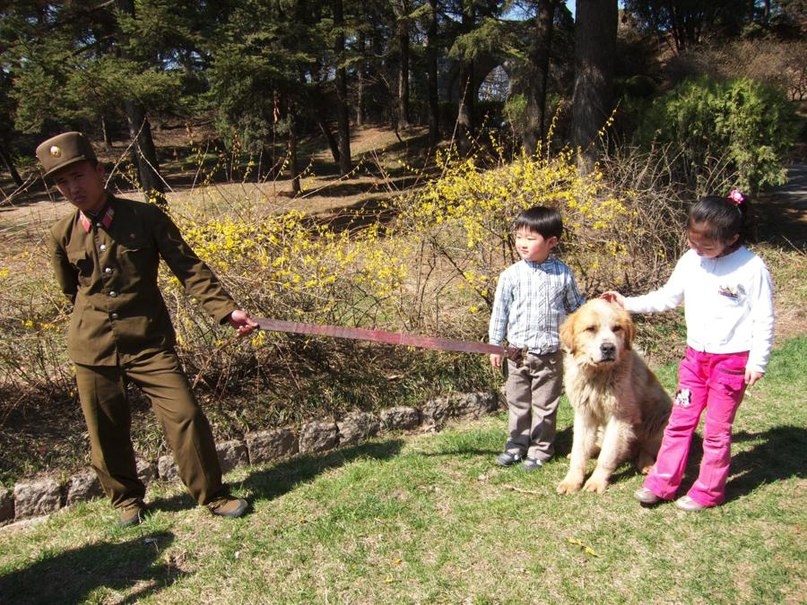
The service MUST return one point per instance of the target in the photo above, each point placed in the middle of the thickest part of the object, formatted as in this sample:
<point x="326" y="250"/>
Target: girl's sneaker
<point x="688" y="504"/>
<point x="645" y="496"/>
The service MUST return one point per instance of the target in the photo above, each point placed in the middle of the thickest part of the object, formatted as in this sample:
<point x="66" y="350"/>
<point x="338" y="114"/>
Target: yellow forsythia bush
<point x="433" y="268"/>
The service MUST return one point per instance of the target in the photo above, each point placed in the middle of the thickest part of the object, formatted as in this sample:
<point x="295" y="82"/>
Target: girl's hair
<point x="542" y="220"/>
<point x="722" y="217"/>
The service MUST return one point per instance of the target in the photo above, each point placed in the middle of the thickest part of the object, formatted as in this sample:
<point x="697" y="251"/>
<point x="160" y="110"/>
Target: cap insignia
<point x="56" y="151"/>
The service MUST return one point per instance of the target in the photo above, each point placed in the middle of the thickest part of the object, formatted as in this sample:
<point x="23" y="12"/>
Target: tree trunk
<point x="465" y="111"/>
<point x="294" y="164"/>
<point x="333" y="144"/>
<point x="148" y="167"/>
<point x="360" y="82"/>
<point x="433" y="92"/>
<point x="106" y="135"/>
<point x="535" y="130"/>
<point x="342" y="114"/>
<point x="592" y="100"/>
<point x="5" y="157"/>
<point x="144" y="152"/>
<point x="403" y="69"/>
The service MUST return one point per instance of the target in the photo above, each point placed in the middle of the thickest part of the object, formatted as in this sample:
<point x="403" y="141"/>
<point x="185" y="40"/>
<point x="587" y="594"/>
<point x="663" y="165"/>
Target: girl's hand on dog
<point x="614" y="297"/>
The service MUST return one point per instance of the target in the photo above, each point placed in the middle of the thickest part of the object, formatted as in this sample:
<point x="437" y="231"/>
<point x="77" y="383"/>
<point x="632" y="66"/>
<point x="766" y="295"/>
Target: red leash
<point x="392" y="338"/>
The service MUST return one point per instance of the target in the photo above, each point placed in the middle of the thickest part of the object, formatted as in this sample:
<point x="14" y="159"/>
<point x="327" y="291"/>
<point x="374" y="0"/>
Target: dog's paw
<point x="595" y="484"/>
<point x="569" y="486"/>
<point x="644" y="462"/>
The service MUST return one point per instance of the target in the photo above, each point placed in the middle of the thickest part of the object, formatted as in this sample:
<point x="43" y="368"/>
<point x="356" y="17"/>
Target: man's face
<point x="82" y="184"/>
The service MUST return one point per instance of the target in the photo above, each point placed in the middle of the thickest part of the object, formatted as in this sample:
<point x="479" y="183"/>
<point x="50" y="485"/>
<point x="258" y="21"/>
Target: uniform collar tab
<point x="105" y="218"/>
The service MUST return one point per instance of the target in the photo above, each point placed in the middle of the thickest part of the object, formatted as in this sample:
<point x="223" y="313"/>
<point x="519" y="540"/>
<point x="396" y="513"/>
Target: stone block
<point x="232" y="454"/>
<point x="6" y="505"/>
<point x="356" y="427"/>
<point x="318" y="437"/>
<point x="400" y="418"/>
<point x="271" y="445"/>
<point x="83" y="486"/>
<point x="36" y="498"/>
<point x="167" y="469"/>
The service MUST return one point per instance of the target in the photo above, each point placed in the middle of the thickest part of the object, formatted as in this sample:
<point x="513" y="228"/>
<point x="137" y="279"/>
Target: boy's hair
<point x="542" y="220"/>
<point x="723" y="217"/>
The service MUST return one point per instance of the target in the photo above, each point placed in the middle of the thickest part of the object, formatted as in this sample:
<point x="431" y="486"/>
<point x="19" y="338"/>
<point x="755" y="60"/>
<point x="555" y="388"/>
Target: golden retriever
<point x="618" y="402"/>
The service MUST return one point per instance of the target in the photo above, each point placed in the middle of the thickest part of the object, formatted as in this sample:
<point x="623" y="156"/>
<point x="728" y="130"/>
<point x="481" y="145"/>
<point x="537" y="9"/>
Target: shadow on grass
<point x="778" y="455"/>
<point x="72" y="576"/>
<point x="283" y="477"/>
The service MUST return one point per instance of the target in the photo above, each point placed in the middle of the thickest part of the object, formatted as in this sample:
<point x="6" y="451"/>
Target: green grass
<point x="429" y="518"/>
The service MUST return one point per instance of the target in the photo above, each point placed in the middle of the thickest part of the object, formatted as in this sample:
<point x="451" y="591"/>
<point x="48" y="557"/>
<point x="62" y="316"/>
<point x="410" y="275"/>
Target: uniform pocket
<point x="137" y="256"/>
<point x="83" y="265"/>
<point x="133" y="244"/>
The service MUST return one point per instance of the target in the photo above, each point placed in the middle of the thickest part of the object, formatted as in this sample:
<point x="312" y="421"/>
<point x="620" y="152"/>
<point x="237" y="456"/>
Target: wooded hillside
<point x="271" y="73"/>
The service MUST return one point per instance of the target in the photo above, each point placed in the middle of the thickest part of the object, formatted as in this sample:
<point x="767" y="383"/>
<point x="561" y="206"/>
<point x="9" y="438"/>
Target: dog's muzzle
<point x="607" y="351"/>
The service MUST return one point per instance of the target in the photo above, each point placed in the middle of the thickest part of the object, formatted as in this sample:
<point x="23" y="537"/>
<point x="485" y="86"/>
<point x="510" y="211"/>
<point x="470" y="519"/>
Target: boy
<point x="532" y="299"/>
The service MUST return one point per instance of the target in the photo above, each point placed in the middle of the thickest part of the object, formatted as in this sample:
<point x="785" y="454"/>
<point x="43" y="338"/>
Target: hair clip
<point x="736" y="196"/>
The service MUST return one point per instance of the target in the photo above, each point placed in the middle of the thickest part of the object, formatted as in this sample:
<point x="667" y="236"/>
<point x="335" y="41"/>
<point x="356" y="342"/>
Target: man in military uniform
<point x="106" y="257"/>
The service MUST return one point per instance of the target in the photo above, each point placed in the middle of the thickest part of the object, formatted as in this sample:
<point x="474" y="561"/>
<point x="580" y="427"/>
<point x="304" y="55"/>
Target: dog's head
<point x="598" y="333"/>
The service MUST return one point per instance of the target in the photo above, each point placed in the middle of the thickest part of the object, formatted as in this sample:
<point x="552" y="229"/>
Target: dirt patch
<point x="782" y="213"/>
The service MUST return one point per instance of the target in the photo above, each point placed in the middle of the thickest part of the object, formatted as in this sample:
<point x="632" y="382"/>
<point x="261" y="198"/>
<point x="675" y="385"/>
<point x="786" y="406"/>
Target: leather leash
<point x="393" y="338"/>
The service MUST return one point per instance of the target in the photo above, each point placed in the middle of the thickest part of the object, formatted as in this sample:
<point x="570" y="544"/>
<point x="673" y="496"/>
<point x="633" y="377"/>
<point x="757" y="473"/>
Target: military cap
<point x="63" y="150"/>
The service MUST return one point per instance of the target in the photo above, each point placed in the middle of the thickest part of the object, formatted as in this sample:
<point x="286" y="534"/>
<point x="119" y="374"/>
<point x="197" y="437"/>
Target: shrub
<point x="738" y="126"/>
<point x="465" y="218"/>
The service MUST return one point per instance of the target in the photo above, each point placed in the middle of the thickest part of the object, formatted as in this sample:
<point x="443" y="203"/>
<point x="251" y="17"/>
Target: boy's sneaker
<point x="132" y="514"/>
<point x="228" y="507"/>
<point x="531" y="464"/>
<point x="508" y="458"/>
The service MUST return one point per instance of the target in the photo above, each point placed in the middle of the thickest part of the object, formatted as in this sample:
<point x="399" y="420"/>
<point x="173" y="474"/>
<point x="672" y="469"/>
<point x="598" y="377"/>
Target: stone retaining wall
<point x="43" y="496"/>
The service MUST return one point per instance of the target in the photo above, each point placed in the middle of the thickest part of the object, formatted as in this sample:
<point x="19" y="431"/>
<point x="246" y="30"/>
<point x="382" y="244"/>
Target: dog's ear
<point x="630" y="330"/>
<point x="567" y="333"/>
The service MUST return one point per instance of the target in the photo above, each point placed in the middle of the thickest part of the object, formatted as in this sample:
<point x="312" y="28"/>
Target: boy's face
<point x="533" y="246"/>
<point x="82" y="184"/>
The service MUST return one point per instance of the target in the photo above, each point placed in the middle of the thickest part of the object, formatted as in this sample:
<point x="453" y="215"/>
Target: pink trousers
<point x="716" y="383"/>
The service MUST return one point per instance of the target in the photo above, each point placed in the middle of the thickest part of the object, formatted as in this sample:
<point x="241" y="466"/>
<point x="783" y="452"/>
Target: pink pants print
<point x="716" y="383"/>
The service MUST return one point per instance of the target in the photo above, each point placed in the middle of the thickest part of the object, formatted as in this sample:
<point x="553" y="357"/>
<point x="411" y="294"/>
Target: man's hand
<point x="242" y="322"/>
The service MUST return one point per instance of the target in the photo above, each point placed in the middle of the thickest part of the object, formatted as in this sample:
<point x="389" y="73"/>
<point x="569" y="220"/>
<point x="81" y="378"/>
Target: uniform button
<point x="108" y="270"/>
<point x="114" y="316"/>
<point x="113" y="294"/>
<point x="102" y="247"/>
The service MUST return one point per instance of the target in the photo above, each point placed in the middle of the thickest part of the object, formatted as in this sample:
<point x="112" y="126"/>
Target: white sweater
<point x="728" y="303"/>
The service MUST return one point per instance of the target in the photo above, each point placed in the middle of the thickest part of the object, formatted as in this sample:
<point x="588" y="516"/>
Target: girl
<point x="728" y="298"/>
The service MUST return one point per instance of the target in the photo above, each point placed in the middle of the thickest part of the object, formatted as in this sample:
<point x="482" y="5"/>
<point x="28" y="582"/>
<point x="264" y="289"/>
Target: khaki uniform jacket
<point x="110" y="276"/>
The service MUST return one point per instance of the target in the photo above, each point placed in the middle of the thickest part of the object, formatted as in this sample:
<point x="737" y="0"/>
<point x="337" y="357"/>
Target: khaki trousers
<point x="533" y="392"/>
<point x="102" y="391"/>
